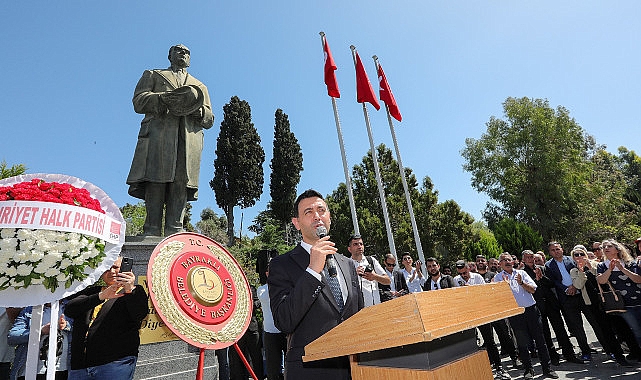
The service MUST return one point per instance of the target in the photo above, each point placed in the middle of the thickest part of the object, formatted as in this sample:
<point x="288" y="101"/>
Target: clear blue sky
<point x="71" y="68"/>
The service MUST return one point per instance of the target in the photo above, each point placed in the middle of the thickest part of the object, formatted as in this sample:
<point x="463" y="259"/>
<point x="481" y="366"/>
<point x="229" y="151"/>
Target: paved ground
<point x="601" y="366"/>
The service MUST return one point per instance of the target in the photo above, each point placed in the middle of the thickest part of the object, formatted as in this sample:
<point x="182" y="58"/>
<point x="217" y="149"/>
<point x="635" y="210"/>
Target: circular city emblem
<point x="199" y="290"/>
<point x="203" y="287"/>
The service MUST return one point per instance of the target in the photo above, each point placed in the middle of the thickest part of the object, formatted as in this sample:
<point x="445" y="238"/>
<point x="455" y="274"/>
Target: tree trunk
<point x="229" y="213"/>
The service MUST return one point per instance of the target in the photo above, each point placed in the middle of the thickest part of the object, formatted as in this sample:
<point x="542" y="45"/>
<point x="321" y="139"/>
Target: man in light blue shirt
<point x="527" y="325"/>
<point x="558" y="271"/>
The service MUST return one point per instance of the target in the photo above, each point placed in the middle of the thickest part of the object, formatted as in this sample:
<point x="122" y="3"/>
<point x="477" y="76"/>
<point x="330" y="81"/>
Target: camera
<point x="367" y="269"/>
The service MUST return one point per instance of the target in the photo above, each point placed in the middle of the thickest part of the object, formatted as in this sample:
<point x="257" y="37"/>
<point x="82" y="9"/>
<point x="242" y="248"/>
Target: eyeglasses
<point x="579" y="254"/>
<point x="407" y="258"/>
<point x="389" y="265"/>
<point x="607" y="246"/>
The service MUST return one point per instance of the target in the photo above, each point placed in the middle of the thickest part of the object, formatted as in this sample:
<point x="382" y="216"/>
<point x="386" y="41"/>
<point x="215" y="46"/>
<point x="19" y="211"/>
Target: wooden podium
<point x="427" y="335"/>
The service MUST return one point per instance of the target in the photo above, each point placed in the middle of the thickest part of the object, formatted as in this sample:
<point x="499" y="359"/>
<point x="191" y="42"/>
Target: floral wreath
<point x="58" y="234"/>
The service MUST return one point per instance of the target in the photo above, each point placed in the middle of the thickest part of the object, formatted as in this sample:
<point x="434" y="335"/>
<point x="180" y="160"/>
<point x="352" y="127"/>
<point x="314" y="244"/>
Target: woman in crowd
<point x="413" y="276"/>
<point x="584" y="279"/>
<point x="19" y="337"/>
<point x="622" y="272"/>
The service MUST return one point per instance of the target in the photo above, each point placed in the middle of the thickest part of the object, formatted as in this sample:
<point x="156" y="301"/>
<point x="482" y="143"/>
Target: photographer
<point x="370" y="272"/>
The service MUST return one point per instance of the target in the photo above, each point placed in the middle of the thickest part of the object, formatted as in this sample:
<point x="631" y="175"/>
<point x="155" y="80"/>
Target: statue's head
<point x="179" y="55"/>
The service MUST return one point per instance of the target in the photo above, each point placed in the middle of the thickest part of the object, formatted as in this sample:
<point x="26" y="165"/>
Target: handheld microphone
<point x="330" y="262"/>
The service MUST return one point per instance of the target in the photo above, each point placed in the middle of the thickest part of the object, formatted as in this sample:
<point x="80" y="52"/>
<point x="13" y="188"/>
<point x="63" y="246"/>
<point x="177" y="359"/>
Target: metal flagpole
<point x="419" y="247"/>
<point x="348" y="182"/>
<point x="381" y="191"/>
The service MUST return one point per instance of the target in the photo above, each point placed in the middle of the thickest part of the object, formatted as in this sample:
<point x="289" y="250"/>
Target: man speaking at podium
<point x="308" y="298"/>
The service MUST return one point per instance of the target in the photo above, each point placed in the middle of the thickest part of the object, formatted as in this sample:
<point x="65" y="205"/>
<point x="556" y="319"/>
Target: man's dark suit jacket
<point x="544" y="294"/>
<point x="445" y="282"/>
<point x="304" y="308"/>
<point x="553" y="273"/>
<point x="399" y="283"/>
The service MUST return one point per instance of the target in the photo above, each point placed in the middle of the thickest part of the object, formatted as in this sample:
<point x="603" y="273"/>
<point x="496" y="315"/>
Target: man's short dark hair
<point x="553" y="242"/>
<point x="353" y="237"/>
<point x="430" y="259"/>
<point x="309" y="193"/>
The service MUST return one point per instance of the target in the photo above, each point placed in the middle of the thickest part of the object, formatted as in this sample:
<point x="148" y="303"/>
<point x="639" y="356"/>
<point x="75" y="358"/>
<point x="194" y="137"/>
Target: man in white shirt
<point x="370" y="271"/>
<point x="465" y="276"/>
<point x="413" y="275"/>
<point x="527" y="325"/>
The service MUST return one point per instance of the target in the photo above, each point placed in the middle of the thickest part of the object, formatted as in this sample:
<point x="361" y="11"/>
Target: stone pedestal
<point x="175" y="359"/>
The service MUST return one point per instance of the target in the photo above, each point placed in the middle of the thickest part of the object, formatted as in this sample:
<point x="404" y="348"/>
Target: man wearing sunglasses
<point x="397" y="286"/>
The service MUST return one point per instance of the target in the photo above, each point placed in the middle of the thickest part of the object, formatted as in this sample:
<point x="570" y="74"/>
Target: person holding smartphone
<point x="106" y="320"/>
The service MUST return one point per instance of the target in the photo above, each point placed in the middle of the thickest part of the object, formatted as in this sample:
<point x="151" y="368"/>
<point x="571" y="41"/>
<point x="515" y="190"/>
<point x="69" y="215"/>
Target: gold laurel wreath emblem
<point x="176" y="317"/>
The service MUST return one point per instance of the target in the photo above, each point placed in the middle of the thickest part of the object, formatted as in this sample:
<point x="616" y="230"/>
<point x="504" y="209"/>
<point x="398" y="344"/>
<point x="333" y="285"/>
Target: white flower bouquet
<point x="58" y="234"/>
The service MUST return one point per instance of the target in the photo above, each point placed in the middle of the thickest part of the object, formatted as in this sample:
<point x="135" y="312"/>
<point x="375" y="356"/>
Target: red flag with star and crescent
<point x="364" y="91"/>
<point x="330" y="75"/>
<point x="386" y="95"/>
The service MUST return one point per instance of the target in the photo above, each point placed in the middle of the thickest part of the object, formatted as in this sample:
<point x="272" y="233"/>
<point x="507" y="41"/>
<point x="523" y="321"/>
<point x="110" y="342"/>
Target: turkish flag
<point x="364" y="91"/>
<point x="386" y="95"/>
<point x="330" y="76"/>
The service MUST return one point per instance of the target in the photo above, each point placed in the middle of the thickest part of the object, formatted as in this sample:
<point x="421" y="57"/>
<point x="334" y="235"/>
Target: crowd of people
<point x="97" y="332"/>
<point x="560" y="292"/>
<point x="303" y="294"/>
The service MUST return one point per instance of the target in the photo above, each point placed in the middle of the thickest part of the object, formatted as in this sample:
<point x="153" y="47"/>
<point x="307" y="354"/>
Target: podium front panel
<point x="423" y="355"/>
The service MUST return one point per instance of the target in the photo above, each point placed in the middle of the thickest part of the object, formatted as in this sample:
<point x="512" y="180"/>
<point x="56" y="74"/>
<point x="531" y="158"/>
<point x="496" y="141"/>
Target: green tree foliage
<point x="11" y="171"/>
<point x="483" y="242"/>
<point x="452" y="231"/>
<point x="134" y="216"/>
<point x="515" y="237"/>
<point x="264" y="223"/>
<point x="238" y="167"/>
<point x="630" y="165"/>
<point x="443" y="228"/>
<point x="605" y="212"/>
<point x="187" y="226"/>
<point x="533" y="165"/>
<point x="286" y="165"/>
<point x="212" y="226"/>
